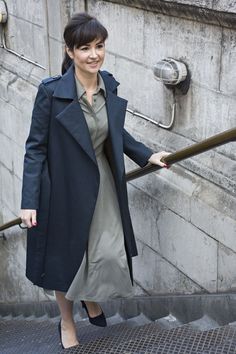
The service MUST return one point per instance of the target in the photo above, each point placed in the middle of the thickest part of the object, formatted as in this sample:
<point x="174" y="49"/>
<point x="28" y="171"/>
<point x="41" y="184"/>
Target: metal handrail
<point x="11" y="223"/>
<point x="195" y="149"/>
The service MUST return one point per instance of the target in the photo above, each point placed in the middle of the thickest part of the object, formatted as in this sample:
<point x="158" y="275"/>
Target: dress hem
<point x="86" y="298"/>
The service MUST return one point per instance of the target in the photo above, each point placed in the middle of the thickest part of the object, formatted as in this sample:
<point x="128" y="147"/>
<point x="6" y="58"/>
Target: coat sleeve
<point x="137" y="151"/>
<point x="36" y="150"/>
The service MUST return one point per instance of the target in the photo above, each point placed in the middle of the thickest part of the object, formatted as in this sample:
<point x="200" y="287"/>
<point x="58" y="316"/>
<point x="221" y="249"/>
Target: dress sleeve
<point x="137" y="151"/>
<point x="36" y="150"/>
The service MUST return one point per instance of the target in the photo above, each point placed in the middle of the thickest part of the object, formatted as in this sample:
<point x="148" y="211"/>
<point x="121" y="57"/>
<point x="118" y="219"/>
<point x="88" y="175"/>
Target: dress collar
<point x="81" y="90"/>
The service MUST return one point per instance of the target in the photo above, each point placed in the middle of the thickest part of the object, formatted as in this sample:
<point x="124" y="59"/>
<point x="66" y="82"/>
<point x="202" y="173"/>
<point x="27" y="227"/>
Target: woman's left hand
<point x="156" y="158"/>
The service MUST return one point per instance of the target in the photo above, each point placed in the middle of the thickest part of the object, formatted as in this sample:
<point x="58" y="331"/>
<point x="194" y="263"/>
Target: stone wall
<point x="184" y="217"/>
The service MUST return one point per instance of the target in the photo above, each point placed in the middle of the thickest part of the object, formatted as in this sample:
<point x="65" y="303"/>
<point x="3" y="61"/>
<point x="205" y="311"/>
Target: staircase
<point x="184" y="324"/>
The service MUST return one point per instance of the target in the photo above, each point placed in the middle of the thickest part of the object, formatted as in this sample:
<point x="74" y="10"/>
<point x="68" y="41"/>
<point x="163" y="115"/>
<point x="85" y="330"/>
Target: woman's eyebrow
<point x="88" y="44"/>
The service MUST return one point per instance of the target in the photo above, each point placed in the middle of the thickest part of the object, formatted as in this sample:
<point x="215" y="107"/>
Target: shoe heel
<point x="59" y="330"/>
<point x="99" y="320"/>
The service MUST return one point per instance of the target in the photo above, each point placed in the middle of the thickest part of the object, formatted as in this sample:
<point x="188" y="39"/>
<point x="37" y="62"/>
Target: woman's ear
<point x="69" y="52"/>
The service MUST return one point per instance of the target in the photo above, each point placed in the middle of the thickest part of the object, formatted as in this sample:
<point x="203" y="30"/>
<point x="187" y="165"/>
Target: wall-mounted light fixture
<point x="175" y="75"/>
<point x="170" y="71"/>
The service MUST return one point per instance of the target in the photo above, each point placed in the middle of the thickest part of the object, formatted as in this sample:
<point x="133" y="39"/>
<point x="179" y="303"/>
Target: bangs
<point x="88" y="32"/>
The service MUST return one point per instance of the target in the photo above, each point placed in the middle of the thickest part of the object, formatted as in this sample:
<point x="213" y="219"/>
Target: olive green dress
<point x="104" y="272"/>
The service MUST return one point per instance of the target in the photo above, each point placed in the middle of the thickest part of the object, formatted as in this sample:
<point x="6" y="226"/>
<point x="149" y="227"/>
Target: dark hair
<point x="80" y="30"/>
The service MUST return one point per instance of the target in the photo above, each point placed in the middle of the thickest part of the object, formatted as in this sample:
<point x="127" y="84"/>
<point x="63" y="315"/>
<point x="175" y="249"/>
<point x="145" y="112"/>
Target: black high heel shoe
<point x="60" y="336"/>
<point x="99" y="320"/>
<point x="59" y="330"/>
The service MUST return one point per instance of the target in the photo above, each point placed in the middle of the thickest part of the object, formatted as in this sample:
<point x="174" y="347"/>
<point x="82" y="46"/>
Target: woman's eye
<point x="100" y="46"/>
<point x="84" y="48"/>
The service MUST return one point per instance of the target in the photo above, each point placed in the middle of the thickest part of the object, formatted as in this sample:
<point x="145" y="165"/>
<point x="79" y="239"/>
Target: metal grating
<point x="31" y="337"/>
<point x="176" y="341"/>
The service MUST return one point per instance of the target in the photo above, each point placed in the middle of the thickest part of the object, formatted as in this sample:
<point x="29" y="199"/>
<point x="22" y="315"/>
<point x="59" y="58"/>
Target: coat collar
<point x="66" y="87"/>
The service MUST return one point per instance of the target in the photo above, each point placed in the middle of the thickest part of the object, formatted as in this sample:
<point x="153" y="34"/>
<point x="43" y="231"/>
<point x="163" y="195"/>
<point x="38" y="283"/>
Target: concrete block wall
<point x="184" y="217"/>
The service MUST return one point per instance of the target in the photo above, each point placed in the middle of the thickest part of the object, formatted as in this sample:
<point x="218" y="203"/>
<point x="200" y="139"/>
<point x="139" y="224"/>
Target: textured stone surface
<point x="226" y="6"/>
<point x="158" y="276"/>
<point x="8" y="193"/>
<point x="55" y="27"/>
<point x="206" y="213"/>
<point x="16" y="287"/>
<point x="56" y="59"/>
<point x="218" y="5"/>
<point x="172" y="237"/>
<point x="205" y="113"/>
<point x="31" y="44"/>
<point x="122" y="37"/>
<point x="200" y="3"/>
<point x="226" y="269"/>
<point x="6" y="146"/>
<point x="228" y="75"/>
<point x="28" y="10"/>
<point x="184" y="245"/>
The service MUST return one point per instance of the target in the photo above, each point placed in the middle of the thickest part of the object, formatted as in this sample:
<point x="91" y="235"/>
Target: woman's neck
<point x="89" y="82"/>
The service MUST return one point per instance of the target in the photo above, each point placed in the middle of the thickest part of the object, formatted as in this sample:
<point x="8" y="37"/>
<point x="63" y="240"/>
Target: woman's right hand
<point x="29" y="217"/>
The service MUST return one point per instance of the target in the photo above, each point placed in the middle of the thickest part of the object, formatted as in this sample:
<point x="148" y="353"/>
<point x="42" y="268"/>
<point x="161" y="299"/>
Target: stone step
<point x="204" y="323"/>
<point x="168" y="322"/>
<point x="138" y="320"/>
<point x="117" y="318"/>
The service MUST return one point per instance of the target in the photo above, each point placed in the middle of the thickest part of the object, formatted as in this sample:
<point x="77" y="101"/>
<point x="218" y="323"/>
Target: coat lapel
<point x="72" y="117"/>
<point x="116" y="106"/>
<point x="73" y="120"/>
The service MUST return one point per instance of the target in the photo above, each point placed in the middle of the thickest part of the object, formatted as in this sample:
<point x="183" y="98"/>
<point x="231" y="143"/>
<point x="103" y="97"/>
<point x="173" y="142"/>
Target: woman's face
<point x="88" y="58"/>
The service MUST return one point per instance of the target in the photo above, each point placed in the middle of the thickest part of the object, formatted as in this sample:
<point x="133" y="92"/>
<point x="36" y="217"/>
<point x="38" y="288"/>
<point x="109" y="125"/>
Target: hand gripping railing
<point x="195" y="149"/>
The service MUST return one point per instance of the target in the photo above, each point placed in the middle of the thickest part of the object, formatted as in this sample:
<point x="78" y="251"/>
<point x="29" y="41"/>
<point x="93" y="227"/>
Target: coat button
<point x="42" y="275"/>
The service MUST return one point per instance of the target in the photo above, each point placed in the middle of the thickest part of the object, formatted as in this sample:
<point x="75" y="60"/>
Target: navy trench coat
<point x="61" y="178"/>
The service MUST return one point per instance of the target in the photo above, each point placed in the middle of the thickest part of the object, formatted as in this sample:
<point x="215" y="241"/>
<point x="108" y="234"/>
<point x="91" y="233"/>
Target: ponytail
<point x="67" y="61"/>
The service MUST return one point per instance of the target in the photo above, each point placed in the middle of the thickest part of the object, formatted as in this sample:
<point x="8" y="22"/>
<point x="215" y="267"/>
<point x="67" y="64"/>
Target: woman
<point x="74" y="199"/>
